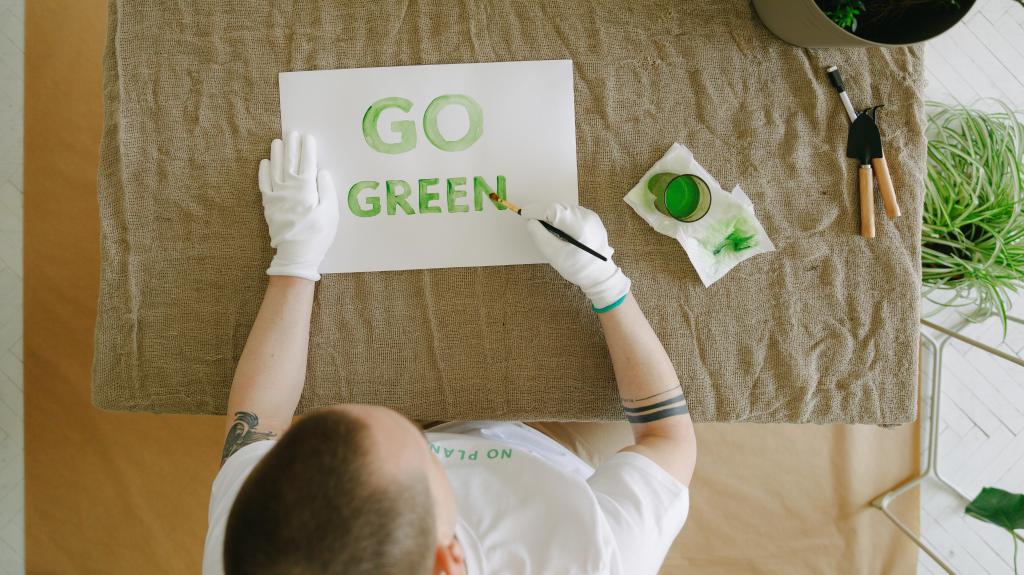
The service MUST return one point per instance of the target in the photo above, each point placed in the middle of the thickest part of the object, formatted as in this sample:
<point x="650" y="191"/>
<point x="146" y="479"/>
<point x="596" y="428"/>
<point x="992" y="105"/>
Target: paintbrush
<point x="554" y="231"/>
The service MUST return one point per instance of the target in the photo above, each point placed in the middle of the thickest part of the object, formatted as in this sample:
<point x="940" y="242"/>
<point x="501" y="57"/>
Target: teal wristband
<point x="613" y="305"/>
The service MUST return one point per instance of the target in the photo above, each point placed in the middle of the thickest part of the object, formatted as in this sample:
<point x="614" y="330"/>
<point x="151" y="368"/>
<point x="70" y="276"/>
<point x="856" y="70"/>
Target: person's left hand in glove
<point x="300" y="205"/>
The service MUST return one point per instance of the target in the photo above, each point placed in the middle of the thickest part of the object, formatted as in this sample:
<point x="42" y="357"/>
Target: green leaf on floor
<point x="998" y="507"/>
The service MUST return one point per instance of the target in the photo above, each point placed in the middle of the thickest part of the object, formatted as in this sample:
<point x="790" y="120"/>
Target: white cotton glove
<point x="300" y="205"/>
<point x="602" y="281"/>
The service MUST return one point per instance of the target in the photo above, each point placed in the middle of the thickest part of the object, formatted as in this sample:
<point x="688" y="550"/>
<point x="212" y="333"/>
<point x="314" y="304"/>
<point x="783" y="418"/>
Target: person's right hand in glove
<point x="602" y="281"/>
<point x="652" y="399"/>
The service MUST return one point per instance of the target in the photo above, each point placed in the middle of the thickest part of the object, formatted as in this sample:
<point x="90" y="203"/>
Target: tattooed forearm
<point x="654" y="407"/>
<point x="242" y="433"/>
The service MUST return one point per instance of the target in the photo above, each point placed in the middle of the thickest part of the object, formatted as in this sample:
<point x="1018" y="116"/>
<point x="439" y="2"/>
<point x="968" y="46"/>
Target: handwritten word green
<point x="406" y="129"/>
<point x="365" y="199"/>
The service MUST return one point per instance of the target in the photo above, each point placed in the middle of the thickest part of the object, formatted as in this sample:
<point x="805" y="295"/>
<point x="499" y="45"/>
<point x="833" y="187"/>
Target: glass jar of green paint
<point x="684" y="197"/>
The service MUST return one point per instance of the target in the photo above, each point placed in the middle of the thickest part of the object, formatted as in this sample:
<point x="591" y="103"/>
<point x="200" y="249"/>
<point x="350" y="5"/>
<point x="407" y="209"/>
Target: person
<point x="362" y="489"/>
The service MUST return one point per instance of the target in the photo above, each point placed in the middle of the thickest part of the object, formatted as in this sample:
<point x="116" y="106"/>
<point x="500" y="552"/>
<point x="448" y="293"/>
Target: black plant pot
<point x="803" y="23"/>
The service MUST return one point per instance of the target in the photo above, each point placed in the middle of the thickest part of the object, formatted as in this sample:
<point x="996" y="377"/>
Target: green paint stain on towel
<point x="739" y="236"/>
<point x="735" y="242"/>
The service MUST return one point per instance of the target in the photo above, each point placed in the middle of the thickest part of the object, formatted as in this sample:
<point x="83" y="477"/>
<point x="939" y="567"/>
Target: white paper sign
<point x="415" y="150"/>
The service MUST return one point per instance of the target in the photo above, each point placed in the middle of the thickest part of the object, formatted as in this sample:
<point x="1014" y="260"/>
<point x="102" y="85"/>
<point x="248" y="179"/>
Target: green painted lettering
<point x="456" y="192"/>
<point x="427" y="196"/>
<point x="373" y="202"/>
<point x="473" y="132"/>
<point x="406" y="129"/>
<point x="398" y="200"/>
<point x="481" y="190"/>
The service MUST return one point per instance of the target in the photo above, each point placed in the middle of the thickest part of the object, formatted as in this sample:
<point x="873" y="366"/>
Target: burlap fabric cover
<point x="823" y="330"/>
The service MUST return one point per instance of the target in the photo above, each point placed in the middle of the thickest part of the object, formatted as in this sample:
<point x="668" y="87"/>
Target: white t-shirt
<point x="527" y="505"/>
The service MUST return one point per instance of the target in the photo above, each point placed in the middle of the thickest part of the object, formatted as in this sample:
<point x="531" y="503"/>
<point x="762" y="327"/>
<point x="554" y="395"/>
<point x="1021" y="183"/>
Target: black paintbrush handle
<point x="559" y="233"/>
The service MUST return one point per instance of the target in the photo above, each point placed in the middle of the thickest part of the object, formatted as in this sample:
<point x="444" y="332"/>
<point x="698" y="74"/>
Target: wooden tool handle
<point x="867" y="203"/>
<point x="885" y="189"/>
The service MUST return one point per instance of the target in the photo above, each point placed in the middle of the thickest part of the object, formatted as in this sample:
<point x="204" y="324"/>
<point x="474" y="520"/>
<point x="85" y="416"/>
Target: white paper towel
<point x="702" y="239"/>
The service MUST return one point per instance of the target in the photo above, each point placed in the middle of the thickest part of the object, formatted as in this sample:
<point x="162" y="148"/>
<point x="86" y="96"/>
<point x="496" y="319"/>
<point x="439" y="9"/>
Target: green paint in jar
<point x="684" y="197"/>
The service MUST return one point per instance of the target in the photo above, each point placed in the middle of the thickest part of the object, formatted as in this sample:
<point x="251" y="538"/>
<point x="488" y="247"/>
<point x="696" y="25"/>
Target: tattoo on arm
<point x="675" y="388"/>
<point x="653" y="408"/>
<point x="242" y="433"/>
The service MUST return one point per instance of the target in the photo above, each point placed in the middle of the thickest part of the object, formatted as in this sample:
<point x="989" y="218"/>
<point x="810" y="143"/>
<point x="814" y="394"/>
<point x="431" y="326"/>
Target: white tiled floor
<point x="981" y="443"/>
<point x="981" y="439"/>
<point x="982" y="420"/>
<point x="12" y="485"/>
<point x="982" y="57"/>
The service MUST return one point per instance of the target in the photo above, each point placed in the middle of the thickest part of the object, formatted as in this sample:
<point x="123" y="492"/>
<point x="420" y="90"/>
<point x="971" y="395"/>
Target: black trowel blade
<point x="861" y="138"/>
<point x="874" y="139"/>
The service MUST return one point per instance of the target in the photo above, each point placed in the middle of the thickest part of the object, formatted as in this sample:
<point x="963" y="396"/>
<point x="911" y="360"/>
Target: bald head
<point x="339" y="493"/>
<point x="397" y="450"/>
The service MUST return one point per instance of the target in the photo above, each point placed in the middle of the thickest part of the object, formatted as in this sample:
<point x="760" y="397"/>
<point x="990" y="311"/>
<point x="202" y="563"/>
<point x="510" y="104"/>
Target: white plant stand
<point x="931" y="469"/>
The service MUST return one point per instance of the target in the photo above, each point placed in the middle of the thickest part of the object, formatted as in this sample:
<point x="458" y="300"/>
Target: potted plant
<point x="972" y="233"/>
<point x="831" y="23"/>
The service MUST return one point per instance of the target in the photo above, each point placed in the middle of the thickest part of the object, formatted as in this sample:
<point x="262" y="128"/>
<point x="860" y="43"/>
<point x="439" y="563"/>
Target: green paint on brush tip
<point x="739" y="237"/>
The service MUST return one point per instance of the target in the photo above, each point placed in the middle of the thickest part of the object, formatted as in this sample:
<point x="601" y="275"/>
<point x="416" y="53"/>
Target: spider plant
<point x="973" y="226"/>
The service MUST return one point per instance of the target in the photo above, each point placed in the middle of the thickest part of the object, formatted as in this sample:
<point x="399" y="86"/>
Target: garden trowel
<point x="864" y="143"/>
<point x="860" y="145"/>
<point x="881" y="168"/>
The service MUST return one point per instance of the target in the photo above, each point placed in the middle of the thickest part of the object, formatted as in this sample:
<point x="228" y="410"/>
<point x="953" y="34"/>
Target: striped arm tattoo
<point x="242" y="433"/>
<point x="668" y="403"/>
